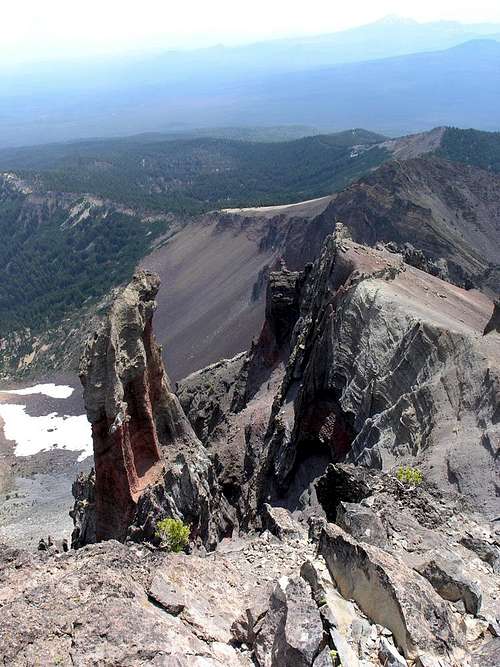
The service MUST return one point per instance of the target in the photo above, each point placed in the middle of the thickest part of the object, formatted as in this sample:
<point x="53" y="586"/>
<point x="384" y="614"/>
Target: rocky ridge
<point x="306" y="549"/>
<point x="382" y="364"/>
<point x="386" y="576"/>
<point x="447" y="210"/>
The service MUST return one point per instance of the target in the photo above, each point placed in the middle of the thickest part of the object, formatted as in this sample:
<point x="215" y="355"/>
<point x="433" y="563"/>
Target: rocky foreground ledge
<point x="306" y="549"/>
<point x="391" y="576"/>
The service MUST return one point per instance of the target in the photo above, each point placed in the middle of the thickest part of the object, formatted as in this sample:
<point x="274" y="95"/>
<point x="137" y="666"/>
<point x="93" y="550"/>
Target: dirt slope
<point x="214" y="272"/>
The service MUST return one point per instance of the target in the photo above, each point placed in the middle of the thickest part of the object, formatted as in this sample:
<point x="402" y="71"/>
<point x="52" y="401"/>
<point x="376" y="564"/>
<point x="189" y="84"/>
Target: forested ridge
<point x="191" y="176"/>
<point x="51" y="265"/>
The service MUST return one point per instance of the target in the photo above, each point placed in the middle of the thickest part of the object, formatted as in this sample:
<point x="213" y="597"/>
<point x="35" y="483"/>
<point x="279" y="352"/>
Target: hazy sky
<point x="36" y="29"/>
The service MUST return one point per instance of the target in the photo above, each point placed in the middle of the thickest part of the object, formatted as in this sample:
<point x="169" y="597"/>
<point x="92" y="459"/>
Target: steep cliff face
<point x="389" y="365"/>
<point x="121" y="376"/>
<point x="144" y="445"/>
<point x="363" y="358"/>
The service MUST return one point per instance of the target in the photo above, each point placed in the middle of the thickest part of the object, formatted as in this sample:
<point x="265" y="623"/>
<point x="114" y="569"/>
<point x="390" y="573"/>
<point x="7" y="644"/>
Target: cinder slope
<point x="214" y="273"/>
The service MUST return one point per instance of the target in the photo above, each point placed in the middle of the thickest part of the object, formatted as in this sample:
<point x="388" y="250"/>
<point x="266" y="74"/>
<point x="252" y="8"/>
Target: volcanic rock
<point x="84" y="510"/>
<point x="390" y="594"/>
<point x="148" y="462"/>
<point x="449" y="580"/>
<point x="488" y="552"/>
<point x="292" y="632"/>
<point x="384" y="357"/>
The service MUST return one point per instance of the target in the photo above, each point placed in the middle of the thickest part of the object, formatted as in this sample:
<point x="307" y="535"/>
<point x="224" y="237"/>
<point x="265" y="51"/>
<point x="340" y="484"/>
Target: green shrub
<point x="410" y="476"/>
<point x="173" y="534"/>
<point x="334" y="657"/>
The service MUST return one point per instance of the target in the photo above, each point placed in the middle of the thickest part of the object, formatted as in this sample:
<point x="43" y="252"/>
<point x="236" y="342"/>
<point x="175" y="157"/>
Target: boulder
<point x="83" y="512"/>
<point x="487" y="655"/>
<point x="280" y="522"/>
<point x="390" y="594"/>
<point x="389" y="655"/>
<point x="486" y="551"/>
<point x="324" y="658"/>
<point x="362" y="523"/>
<point x="449" y="580"/>
<point x="292" y="632"/>
<point x="344" y="483"/>
<point x="345" y="652"/>
<point x="164" y="593"/>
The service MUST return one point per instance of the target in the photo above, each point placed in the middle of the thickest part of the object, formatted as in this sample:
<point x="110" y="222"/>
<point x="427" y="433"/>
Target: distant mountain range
<point x="395" y="76"/>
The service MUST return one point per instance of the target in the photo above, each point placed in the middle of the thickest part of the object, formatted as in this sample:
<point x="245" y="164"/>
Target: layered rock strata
<point x="148" y="461"/>
<point x="361" y="358"/>
<point x="387" y="365"/>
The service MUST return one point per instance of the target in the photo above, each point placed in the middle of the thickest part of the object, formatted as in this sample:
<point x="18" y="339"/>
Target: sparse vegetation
<point x="334" y="657"/>
<point x="410" y="476"/>
<point x="173" y="534"/>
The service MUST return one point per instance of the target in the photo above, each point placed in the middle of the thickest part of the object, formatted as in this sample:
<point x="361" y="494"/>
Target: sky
<point x="60" y="29"/>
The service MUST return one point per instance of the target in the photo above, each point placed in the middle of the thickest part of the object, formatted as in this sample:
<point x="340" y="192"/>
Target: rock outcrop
<point x="448" y="211"/>
<point x="364" y="363"/>
<point x="361" y="358"/>
<point x="122" y="377"/>
<point x="390" y="594"/>
<point x="148" y="461"/>
<point x="270" y="600"/>
<point x="387" y="365"/>
<point x="84" y="511"/>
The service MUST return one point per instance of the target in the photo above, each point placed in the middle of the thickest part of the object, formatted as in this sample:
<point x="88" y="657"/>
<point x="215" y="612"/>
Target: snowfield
<point x="52" y="390"/>
<point x="43" y="433"/>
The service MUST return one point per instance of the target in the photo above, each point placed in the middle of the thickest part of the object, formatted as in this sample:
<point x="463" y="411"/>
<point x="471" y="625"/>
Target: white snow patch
<point x="52" y="390"/>
<point x="38" y="434"/>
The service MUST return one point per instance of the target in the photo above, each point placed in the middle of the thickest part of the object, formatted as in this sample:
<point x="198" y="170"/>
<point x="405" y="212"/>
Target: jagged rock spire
<point x="148" y="461"/>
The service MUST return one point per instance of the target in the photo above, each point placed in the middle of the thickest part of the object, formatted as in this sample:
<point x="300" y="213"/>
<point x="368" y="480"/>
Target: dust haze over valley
<point x="250" y="292"/>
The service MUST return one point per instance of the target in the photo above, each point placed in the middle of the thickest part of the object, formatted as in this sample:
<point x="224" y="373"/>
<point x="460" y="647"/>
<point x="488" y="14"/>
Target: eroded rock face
<point x="387" y="365"/>
<point x="148" y="461"/>
<point x="447" y="210"/>
<point x="449" y="580"/>
<point x="122" y="378"/>
<point x="292" y="633"/>
<point x="362" y="359"/>
<point x="84" y="511"/>
<point x="390" y="594"/>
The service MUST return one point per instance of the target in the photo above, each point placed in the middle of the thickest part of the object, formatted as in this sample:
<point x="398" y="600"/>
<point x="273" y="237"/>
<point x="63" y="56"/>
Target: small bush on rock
<point x="334" y="657"/>
<point x="173" y="534"/>
<point x="410" y="476"/>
